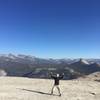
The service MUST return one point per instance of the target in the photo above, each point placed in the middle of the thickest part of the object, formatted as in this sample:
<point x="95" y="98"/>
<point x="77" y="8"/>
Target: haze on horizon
<point x="50" y="28"/>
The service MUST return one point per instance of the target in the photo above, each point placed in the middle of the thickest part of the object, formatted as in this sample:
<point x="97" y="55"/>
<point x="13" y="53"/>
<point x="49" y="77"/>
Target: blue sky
<point x="50" y="28"/>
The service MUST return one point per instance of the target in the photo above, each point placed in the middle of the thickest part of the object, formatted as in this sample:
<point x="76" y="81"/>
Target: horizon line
<point x="16" y="54"/>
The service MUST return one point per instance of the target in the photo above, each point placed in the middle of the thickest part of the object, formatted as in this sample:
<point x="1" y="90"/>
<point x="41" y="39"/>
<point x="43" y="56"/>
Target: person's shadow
<point x="37" y="92"/>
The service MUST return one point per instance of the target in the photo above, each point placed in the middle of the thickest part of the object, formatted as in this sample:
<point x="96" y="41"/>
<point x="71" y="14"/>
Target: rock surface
<point x="17" y="88"/>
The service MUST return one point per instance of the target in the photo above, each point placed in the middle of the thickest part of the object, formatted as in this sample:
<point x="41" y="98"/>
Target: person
<point x="56" y="78"/>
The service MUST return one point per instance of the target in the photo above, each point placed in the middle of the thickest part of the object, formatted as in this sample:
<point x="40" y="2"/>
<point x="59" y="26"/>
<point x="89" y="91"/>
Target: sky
<point x="50" y="28"/>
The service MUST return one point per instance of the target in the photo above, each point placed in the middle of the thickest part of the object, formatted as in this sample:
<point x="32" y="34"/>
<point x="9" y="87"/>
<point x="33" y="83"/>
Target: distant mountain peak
<point x="83" y="61"/>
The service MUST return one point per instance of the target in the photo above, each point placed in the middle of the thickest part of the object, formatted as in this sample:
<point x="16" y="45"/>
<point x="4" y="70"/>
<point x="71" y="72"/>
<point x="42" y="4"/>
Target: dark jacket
<point x="57" y="79"/>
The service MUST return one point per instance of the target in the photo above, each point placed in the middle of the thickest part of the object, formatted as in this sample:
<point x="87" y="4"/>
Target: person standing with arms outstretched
<point x="56" y="78"/>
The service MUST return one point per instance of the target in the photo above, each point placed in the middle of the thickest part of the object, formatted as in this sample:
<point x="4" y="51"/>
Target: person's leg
<point x="58" y="90"/>
<point x="52" y="89"/>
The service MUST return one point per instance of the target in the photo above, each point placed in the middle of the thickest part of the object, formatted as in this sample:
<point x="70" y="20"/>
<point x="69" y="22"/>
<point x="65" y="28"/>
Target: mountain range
<point x="31" y="66"/>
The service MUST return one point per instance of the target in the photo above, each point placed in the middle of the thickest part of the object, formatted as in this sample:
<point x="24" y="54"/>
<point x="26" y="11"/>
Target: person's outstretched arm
<point x="52" y="76"/>
<point x="62" y="76"/>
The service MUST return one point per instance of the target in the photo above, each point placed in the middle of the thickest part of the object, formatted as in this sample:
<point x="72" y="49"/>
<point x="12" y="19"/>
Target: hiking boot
<point x="60" y="94"/>
<point x="51" y="93"/>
